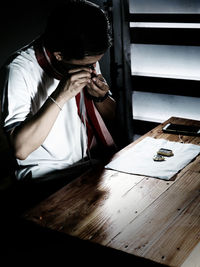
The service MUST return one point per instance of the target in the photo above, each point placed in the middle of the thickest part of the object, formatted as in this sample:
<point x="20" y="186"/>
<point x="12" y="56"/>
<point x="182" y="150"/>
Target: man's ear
<point x="58" y="55"/>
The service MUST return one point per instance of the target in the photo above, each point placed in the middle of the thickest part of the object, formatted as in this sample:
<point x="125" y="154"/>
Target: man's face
<point x="88" y="61"/>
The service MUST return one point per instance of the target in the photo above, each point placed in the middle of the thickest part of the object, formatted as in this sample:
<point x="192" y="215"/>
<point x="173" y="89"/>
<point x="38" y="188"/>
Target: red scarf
<point x="95" y="124"/>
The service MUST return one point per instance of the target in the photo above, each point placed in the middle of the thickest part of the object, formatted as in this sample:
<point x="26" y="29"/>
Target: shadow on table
<point x="25" y="242"/>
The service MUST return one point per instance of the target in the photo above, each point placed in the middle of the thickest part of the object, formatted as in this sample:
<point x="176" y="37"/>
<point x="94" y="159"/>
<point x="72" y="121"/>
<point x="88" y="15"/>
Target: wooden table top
<point x="151" y="218"/>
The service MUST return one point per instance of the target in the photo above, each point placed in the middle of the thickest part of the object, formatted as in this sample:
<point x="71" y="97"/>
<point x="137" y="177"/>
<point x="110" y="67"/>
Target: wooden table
<point x="150" y="218"/>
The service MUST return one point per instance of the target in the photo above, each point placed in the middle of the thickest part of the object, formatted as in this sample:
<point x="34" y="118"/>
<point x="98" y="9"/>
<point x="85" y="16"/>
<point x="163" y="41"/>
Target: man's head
<point x="77" y="29"/>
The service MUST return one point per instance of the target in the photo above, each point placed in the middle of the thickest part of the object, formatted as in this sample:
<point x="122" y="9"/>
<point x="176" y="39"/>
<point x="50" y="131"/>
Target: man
<point x="55" y="99"/>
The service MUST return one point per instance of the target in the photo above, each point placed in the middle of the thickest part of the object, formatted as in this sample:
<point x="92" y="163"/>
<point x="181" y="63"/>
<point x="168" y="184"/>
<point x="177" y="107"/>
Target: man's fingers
<point x="79" y="75"/>
<point x="97" y="83"/>
<point x="79" y="70"/>
<point x="101" y="78"/>
<point x="97" y="91"/>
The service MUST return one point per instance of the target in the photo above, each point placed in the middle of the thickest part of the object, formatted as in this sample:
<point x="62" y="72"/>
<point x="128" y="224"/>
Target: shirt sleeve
<point x="98" y="70"/>
<point x="16" y="101"/>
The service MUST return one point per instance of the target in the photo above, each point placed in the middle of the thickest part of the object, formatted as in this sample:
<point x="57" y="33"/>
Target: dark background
<point x="21" y="22"/>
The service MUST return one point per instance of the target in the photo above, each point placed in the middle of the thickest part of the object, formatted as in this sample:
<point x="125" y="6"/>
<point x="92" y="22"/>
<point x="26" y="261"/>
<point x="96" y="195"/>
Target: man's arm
<point x="31" y="133"/>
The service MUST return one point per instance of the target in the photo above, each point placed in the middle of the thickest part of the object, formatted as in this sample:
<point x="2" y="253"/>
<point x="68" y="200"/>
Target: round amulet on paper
<point x="158" y="158"/>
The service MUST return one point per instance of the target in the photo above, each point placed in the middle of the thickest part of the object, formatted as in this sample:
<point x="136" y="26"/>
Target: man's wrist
<point x="95" y="98"/>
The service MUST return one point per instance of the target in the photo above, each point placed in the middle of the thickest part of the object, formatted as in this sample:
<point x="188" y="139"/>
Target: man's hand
<point x="98" y="86"/>
<point x="74" y="82"/>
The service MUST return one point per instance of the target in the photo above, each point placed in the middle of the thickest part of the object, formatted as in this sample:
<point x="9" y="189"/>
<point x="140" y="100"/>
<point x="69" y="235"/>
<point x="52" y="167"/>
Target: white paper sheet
<point x="139" y="159"/>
